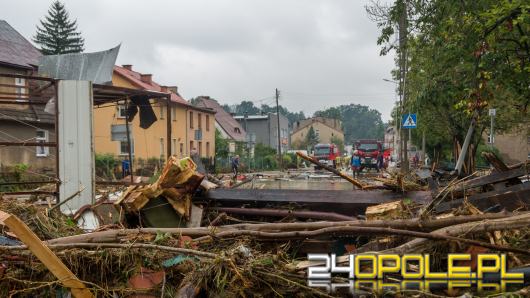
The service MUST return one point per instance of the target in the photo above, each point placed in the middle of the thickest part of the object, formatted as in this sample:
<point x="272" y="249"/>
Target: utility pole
<point x="279" y="137"/>
<point x="403" y="24"/>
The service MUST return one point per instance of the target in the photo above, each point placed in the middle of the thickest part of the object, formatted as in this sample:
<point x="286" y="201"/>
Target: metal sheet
<point x="76" y="155"/>
<point x="96" y="67"/>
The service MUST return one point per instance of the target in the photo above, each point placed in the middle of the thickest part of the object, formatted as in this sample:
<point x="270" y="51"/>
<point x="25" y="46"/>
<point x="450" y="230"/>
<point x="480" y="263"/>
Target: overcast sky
<point x="319" y="53"/>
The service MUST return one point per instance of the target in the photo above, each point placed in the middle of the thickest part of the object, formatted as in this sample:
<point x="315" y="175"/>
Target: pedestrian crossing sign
<point x="409" y="121"/>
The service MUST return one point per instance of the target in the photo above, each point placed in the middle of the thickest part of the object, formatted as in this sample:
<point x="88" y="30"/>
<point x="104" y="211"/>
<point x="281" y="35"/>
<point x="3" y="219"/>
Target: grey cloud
<point x="318" y="52"/>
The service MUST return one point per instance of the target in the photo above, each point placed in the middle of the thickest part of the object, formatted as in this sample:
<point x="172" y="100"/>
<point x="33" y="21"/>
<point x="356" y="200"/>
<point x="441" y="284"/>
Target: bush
<point x="481" y="161"/>
<point x="105" y="165"/>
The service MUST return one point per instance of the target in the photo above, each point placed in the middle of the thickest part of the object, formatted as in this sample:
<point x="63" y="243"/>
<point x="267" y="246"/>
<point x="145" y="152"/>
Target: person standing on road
<point x="235" y="165"/>
<point x="355" y="163"/>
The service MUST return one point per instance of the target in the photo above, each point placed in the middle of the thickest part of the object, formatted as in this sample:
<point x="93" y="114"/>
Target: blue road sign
<point x="409" y="121"/>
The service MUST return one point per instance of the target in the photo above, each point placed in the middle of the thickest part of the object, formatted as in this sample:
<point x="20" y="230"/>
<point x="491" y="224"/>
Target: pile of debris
<point x="184" y="236"/>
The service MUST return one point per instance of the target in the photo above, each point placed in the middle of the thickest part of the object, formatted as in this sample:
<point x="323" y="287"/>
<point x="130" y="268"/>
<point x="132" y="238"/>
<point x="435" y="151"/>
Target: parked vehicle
<point x="369" y="150"/>
<point x="326" y="154"/>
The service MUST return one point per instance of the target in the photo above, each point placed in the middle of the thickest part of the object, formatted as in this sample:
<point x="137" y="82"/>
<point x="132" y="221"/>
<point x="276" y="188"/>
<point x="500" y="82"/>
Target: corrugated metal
<point x="76" y="155"/>
<point x="96" y="67"/>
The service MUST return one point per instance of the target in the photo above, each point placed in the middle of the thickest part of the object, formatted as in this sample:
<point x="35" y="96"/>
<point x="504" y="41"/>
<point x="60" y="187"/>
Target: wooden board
<point x="346" y="202"/>
<point x="45" y="255"/>
<point x="510" y="198"/>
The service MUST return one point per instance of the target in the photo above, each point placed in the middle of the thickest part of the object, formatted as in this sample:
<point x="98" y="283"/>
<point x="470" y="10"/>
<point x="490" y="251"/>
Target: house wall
<point x="152" y="142"/>
<point x="513" y="147"/>
<point x="266" y="130"/>
<point x="11" y="81"/>
<point x="12" y="155"/>
<point x="325" y="133"/>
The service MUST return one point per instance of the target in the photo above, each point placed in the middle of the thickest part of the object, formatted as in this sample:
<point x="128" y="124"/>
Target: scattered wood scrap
<point x="177" y="184"/>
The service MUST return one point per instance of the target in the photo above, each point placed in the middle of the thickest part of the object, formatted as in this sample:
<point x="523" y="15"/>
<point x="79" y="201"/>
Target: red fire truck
<point x="369" y="150"/>
<point x="326" y="154"/>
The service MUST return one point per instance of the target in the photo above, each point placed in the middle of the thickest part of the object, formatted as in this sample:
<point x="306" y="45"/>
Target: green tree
<point x="57" y="34"/>
<point x="463" y="58"/>
<point x="221" y="145"/>
<point x="311" y="139"/>
<point x="358" y="121"/>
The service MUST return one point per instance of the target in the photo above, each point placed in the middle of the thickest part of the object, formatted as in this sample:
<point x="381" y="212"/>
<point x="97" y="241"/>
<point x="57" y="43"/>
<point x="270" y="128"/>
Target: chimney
<point x="146" y="78"/>
<point x="173" y="89"/>
<point x="164" y="89"/>
<point x="127" y="66"/>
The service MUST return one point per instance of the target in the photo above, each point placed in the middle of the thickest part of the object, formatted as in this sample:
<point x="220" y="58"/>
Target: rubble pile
<point x="216" y="241"/>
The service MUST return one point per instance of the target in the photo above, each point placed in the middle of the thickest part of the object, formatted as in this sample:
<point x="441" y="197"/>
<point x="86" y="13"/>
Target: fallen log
<point x="355" y="182"/>
<point x="414" y="224"/>
<point x="331" y="216"/>
<point x="184" y="251"/>
<point x="355" y="231"/>
<point x="467" y="229"/>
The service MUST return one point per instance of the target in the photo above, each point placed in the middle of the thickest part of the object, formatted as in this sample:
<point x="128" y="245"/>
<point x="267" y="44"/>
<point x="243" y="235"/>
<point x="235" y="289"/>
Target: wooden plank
<point x="347" y="202"/>
<point x="45" y="255"/>
<point x="492" y="178"/>
<point x="510" y="198"/>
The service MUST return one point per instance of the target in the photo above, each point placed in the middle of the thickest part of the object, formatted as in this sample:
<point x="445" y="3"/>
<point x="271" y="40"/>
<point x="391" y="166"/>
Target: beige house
<point x="191" y="127"/>
<point x="325" y="128"/>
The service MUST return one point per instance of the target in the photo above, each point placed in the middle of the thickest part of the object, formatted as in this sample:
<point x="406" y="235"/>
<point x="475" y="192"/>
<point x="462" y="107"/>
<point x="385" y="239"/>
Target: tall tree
<point x="463" y="58"/>
<point x="311" y="138"/>
<point x="57" y="34"/>
<point x="358" y="121"/>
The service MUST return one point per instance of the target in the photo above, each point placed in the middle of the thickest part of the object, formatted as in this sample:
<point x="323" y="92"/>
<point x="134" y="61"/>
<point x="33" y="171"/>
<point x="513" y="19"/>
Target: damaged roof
<point x="224" y="119"/>
<point x="136" y="79"/>
<point x="15" y="50"/>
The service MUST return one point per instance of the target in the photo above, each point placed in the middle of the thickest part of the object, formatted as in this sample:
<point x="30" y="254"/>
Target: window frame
<point x="120" y="152"/>
<point x="121" y="108"/>
<point x="44" y="149"/>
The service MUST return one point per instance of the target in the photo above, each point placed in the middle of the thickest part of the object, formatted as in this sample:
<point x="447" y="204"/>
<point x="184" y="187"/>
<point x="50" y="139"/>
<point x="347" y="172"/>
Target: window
<point x="122" y="111"/>
<point x="191" y="119"/>
<point x="124" y="149"/>
<point x="174" y="147"/>
<point x="181" y="149"/>
<point x="200" y="148"/>
<point x="237" y="130"/>
<point x="199" y="120"/>
<point x="207" y="147"/>
<point x="162" y="110"/>
<point x="207" y="123"/>
<point x="174" y="113"/>
<point x="42" y="137"/>
<point x="191" y="146"/>
<point x="20" y="90"/>
<point x="161" y="147"/>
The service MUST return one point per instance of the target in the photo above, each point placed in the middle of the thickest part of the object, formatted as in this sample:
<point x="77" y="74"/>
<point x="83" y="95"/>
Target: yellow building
<point x="191" y="127"/>
<point x="325" y="129"/>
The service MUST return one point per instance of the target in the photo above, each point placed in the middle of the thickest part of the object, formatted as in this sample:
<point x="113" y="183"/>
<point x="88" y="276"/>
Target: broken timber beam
<point x="347" y="202"/>
<point x="492" y="178"/>
<point x="515" y="197"/>
<point x="332" y="170"/>
<point x="330" y="216"/>
<point x="45" y="255"/>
